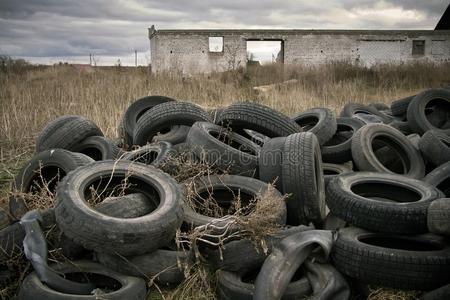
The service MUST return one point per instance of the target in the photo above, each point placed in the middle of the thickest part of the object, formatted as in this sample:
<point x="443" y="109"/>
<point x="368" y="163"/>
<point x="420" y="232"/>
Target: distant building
<point x="204" y="51"/>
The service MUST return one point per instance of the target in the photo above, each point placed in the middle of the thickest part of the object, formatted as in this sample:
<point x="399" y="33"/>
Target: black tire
<point x="256" y="137"/>
<point x="405" y="262"/>
<point x="177" y="134"/>
<point x="223" y="149"/>
<point x="45" y="168"/>
<point x="440" y="178"/>
<point x="153" y="154"/>
<point x="438" y="294"/>
<point x="351" y="109"/>
<point x="435" y="147"/>
<point x="331" y="171"/>
<point x="369" y="136"/>
<point x="11" y="241"/>
<point x="164" y="266"/>
<point x="425" y="103"/>
<point x="270" y="161"/>
<point x="224" y="189"/>
<point x="164" y="116"/>
<point x="123" y="287"/>
<point x="257" y="117"/>
<point x="236" y="286"/>
<point x="4" y="219"/>
<point x="338" y="149"/>
<point x="320" y="121"/>
<point x="439" y="216"/>
<point x="380" y="106"/>
<point x="401" y="126"/>
<point x="303" y="179"/>
<point x="135" y="111"/>
<point x="400" y="107"/>
<point x="98" y="148"/>
<point x="381" y="202"/>
<point x="215" y="113"/>
<point x="95" y="231"/>
<point x="66" y="132"/>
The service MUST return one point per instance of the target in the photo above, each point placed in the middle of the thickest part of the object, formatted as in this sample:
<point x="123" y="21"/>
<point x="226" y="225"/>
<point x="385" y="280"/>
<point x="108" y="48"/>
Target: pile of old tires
<point x="368" y="199"/>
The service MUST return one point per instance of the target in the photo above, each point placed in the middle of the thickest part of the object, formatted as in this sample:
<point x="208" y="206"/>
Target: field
<point x="32" y="96"/>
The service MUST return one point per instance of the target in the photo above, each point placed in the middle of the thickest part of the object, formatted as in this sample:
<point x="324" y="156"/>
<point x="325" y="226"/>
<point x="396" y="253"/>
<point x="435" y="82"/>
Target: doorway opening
<point x="263" y="52"/>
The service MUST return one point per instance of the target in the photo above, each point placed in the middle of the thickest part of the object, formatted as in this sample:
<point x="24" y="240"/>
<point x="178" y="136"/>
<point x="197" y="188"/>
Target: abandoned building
<point x="204" y="51"/>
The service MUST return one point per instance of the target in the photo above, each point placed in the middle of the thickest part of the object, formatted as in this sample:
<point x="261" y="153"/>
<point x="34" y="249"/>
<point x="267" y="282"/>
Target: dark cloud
<point x="115" y="28"/>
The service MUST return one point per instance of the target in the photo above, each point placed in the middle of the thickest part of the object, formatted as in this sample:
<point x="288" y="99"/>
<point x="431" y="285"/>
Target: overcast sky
<point x="47" y="31"/>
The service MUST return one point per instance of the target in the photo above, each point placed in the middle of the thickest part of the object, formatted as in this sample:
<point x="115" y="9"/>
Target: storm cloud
<point x="52" y="30"/>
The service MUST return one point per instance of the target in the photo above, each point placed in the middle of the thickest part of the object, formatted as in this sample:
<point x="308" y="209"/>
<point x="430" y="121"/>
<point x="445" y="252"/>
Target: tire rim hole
<point x="93" y="153"/>
<point x="389" y="148"/>
<point x="227" y="138"/>
<point x="46" y="178"/>
<point x="401" y="243"/>
<point x="307" y="123"/>
<point x="105" y="283"/>
<point x="343" y="133"/>
<point x="385" y="192"/>
<point x="437" y="112"/>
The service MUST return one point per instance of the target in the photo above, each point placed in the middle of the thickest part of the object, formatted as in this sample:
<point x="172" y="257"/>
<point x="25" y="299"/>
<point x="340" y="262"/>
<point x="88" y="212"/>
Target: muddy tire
<point x="439" y="216"/>
<point x="435" y="147"/>
<point x="45" y="168"/>
<point x="96" y="231"/>
<point x="123" y="287"/>
<point x="404" y="262"/>
<point x="302" y="177"/>
<point x="338" y="149"/>
<point x="381" y="202"/>
<point x="424" y="105"/>
<point x="369" y="136"/>
<point x="320" y="121"/>
<point x="257" y="117"/>
<point x="65" y="133"/>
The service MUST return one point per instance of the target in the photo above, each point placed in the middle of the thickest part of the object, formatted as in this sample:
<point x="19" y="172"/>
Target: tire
<point x="66" y="133"/>
<point x="440" y="178"/>
<point x="437" y="294"/>
<point x="176" y="135"/>
<point x="135" y="111"/>
<point x="224" y="189"/>
<point x="11" y="241"/>
<point x="320" y="121"/>
<point x="98" y="148"/>
<point x="257" y="117"/>
<point x="256" y="137"/>
<point x="379" y="106"/>
<point x="401" y="126"/>
<point x="231" y="286"/>
<point x="164" y="116"/>
<point x="400" y="107"/>
<point x="430" y="100"/>
<point x="215" y="113"/>
<point x="351" y="109"/>
<point x="130" y="287"/>
<point x="270" y="161"/>
<point x="45" y="168"/>
<point x="338" y="149"/>
<point x="225" y="150"/>
<point x="164" y="266"/>
<point x="95" y="231"/>
<point x="439" y="216"/>
<point x="366" y="139"/>
<point x="435" y="147"/>
<point x="4" y="219"/>
<point x="381" y="202"/>
<point x="404" y="262"/>
<point x="153" y="154"/>
<point x="303" y="179"/>
<point x="331" y="171"/>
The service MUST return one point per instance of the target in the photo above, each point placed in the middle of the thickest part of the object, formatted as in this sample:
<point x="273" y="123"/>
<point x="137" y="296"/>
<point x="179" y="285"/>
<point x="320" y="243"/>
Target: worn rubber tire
<point x="364" y="156"/>
<point x="98" y="148"/>
<point x="47" y="164"/>
<point x="257" y="117"/>
<point x="96" y="231"/>
<point x="270" y="161"/>
<point x="400" y="107"/>
<point x="164" y="116"/>
<point x="439" y="216"/>
<point x="303" y="179"/>
<point x="417" y="117"/>
<point x="379" y="201"/>
<point x="233" y="185"/>
<point x="66" y="132"/>
<point x="4" y="219"/>
<point x="350" y="109"/>
<point x="440" y="178"/>
<point x="435" y="147"/>
<point x="223" y="149"/>
<point x="135" y="111"/>
<point x="130" y="287"/>
<point x="162" y="265"/>
<point x="380" y="106"/>
<point x="320" y="121"/>
<point x="399" y="266"/>
<point x="331" y="171"/>
<point x="338" y="149"/>
<point x="230" y="286"/>
<point x="438" y="294"/>
<point x="177" y="134"/>
<point x="153" y="154"/>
